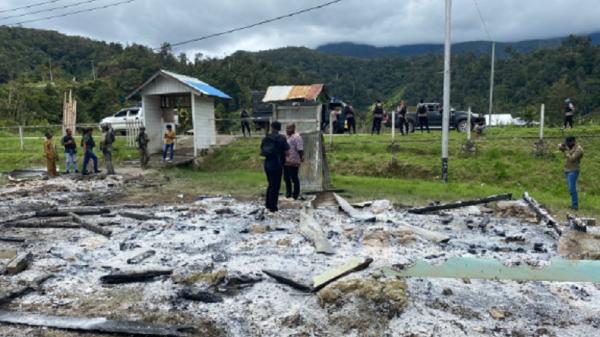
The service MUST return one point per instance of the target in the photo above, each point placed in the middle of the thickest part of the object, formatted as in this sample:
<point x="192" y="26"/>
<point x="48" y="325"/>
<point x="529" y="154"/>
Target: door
<point x="435" y="116"/>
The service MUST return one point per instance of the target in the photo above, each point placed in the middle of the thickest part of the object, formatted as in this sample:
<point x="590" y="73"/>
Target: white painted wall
<point x="163" y="85"/>
<point x="203" y="112"/>
<point x="153" y="122"/>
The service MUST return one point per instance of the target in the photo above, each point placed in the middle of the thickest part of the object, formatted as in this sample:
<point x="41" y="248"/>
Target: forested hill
<point x="523" y="81"/>
<point x="475" y="47"/>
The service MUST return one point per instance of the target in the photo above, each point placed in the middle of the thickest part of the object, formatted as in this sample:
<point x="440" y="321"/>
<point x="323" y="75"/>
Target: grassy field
<point x="362" y="165"/>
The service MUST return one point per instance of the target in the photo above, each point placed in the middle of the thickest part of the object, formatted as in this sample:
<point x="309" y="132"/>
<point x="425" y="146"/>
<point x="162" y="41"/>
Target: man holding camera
<point x="573" y="154"/>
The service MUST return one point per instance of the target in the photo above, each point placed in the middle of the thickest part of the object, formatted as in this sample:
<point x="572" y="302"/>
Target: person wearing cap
<point x="569" y="113"/>
<point x="142" y="143"/>
<point x="169" y="147"/>
<point x="293" y="160"/>
<point x="350" y="119"/>
<point x="51" y="155"/>
<point x="68" y="142"/>
<point x="573" y="154"/>
<point x="274" y="147"/>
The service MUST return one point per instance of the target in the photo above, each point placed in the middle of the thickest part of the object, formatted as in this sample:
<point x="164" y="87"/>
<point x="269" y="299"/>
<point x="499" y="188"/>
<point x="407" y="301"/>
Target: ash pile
<point x="74" y="265"/>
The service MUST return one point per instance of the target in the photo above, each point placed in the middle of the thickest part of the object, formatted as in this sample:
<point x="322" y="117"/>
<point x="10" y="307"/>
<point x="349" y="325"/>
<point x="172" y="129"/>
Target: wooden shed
<point x="166" y="90"/>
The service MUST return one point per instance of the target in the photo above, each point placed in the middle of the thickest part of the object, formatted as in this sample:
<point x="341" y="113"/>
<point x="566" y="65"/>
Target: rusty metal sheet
<point x="298" y="92"/>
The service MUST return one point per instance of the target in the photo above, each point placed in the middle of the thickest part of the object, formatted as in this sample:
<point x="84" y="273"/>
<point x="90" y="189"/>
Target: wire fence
<point x="29" y="138"/>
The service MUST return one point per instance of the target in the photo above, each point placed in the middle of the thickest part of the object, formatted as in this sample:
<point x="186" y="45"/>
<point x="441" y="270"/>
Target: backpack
<point x="268" y="147"/>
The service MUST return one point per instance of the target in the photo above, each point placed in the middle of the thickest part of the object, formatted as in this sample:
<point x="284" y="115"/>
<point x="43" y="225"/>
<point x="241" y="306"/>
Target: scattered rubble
<point x="210" y="256"/>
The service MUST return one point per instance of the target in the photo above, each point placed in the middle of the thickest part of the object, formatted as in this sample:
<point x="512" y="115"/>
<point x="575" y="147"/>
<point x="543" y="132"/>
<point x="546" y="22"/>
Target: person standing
<point x="569" y="113"/>
<point x="106" y="146"/>
<point x="401" y="116"/>
<point x="88" y="144"/>
<point x="274" y="148"/>
<point x="378" y="113"/>
<point x="293" y="160"/>
<point x="68" y="142"/>
<point x="169" y="147"/>
<point x="142" y="143"/>
<point x="422" y="115"/>
<point x="51" y="155"/>
<point x="573" y="154"/>
<point x="245" y="117"/>
<point x="349" y="114"/>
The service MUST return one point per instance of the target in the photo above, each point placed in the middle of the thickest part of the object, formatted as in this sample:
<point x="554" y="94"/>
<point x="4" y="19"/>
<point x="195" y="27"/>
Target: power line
<point x="29" y="6"/>
<point x="75" y="12"/>
<point x="487" y="32"/>
<point x="254" y="24"/>
<point x="48" y="9"/>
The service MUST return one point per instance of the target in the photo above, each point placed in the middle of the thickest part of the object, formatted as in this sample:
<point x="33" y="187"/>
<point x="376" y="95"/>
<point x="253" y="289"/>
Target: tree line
<point x="37" y="66"/>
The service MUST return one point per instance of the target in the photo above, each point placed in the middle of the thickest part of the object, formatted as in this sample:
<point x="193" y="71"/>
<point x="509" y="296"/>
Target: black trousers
<point x="351" y="124"/>
<point x="274" y="171"/>
<point x="246" y="126"/>
<point x="569" y="121"/>
<point x="424" y="122"/>
<point x="376" y="125"/>
<point x="292" y="182"/>
<point x="403" y="124"/>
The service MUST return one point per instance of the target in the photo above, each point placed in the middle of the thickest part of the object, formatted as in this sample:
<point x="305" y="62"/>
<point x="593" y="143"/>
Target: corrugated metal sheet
<point x="195" y="85"/>
<point x="296" y="92"/>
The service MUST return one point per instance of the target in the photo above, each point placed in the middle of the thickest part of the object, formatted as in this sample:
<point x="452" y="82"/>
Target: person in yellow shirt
<point x="51" y="155"/>
<point x="169" y="138"/>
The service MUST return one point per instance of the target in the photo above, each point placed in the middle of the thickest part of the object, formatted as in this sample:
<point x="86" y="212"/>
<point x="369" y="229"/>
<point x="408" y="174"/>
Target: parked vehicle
<point x="119" y="120"/>
<point x="458" y="119"/>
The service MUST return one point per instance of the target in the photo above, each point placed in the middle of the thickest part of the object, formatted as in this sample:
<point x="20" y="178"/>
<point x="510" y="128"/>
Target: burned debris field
<point x="78" y="261"/>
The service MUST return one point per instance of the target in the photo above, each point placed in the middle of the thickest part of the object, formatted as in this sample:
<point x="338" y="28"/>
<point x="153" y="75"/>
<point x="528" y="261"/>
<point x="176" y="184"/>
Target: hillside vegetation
<point x="524" y="80"/>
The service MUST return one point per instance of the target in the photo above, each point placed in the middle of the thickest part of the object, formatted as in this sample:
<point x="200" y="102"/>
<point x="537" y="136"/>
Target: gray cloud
<point x="377" y="22"/>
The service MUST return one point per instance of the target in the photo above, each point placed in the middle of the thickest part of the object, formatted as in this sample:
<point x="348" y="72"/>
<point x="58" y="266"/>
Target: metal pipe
<point x="446" y="114"/>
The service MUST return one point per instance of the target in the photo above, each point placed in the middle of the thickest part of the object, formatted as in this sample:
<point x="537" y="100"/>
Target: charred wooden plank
<point x="313" y="231"/>
<point x="333" y="274"/>
<point x="90" y="226"/>
<point x="8" y="296"/>
<point x="138" y="216"/>
<point x="12" y="239"/>
<point x="353" y="212"/>
<point x="65" y="211"/>
<point x="19" y="263"/>
<point x="460" y="204"/>
<point x="134" y="276"/>
<point x="141" y="257"/>
<point x="283" y="278"/>
<point x="194" y="294"/>
<point x="96" y="324"/>
<point x="543" y="215"/>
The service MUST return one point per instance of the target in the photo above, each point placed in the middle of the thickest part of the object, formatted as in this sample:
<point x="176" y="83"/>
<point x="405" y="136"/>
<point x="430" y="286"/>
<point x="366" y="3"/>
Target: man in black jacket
<point x="422" y="115"/>
<point x="349" y="115"/>
<point x="274" y="148"/>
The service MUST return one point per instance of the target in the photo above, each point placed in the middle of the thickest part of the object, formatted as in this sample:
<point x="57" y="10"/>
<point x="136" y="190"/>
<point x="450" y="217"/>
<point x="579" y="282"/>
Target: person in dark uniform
<point x="274" y="148"/>
<point x="569" y="113"/>
<point x="422" y="115"/>
<point x="378" y="113"/>
<point x="245" y="117"/>
<point x="349" y="114"/>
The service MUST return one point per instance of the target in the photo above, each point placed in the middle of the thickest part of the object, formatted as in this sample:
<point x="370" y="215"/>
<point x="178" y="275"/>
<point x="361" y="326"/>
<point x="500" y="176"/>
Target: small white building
<point x="166" y="90"/>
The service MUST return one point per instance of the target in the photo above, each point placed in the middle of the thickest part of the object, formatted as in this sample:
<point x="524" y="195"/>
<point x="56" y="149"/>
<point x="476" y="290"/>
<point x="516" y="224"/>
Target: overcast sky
<point x="376" y="22"/>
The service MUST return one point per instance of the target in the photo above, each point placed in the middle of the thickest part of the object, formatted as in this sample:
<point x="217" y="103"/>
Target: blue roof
<point x="195" y="84"/>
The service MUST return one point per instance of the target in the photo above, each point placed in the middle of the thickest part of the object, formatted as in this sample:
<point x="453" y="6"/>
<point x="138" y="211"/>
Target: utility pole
<point x="446" y="115"/>
<point x="93" y="71"/>
<point x="491" y="107"/>
<point x="50" y="66"/>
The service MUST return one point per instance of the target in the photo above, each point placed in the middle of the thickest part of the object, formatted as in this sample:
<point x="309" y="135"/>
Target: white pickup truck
<point x="119" y="120"/>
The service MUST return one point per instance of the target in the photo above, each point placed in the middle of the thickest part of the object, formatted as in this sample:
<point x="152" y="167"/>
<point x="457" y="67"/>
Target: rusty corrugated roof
<point x="296" y="92"/>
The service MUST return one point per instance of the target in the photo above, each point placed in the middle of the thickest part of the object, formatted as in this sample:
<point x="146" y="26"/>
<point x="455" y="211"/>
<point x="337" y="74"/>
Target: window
<point x="122" y="113"/>
<point x="133" y="113"/>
